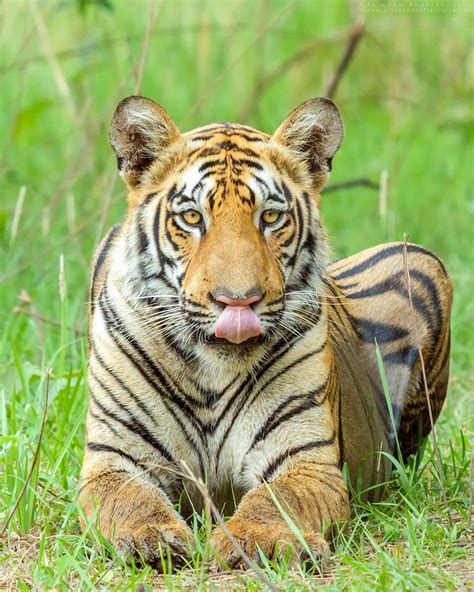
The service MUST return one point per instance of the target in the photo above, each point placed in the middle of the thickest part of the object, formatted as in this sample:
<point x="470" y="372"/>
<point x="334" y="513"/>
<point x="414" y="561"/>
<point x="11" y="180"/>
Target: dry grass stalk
<point x="425" y="380"/>
<point x="383" y="196"/>
<point x="62" y="279"/>
<point x="35" y="457"/>
<point x="17" y="215"/>
<point x="469" y="511"/>
<point x="199" y="483"/>
<point x="59" y="77"/>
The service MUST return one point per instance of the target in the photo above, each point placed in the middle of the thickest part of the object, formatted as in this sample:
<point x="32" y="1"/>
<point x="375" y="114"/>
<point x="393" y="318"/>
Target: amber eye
<point x="271" y="216"/>
<point x="192" y="217"/>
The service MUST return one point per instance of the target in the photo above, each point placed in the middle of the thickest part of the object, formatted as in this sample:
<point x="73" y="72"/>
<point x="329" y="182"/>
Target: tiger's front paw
<point x="153" y="544"/>
<point x="273" y="540"/>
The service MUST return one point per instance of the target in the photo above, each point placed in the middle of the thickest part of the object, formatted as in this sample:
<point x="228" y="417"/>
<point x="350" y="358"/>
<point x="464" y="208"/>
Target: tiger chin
<point x="221" y="335"/>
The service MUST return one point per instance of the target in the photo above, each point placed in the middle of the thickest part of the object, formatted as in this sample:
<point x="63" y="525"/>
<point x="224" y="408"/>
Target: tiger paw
<point x="273" y="540"/>
<point x="153" y="544"/>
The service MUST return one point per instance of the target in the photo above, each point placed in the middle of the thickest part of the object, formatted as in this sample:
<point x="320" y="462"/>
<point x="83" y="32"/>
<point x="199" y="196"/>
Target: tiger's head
<point x="225" y="241"/>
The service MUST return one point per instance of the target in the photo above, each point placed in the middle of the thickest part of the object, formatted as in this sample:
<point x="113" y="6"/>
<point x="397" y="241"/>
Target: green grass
<point x="406" y="100"/>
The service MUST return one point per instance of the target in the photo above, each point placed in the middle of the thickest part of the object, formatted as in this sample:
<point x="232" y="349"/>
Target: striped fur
<point x="287" y="409"/>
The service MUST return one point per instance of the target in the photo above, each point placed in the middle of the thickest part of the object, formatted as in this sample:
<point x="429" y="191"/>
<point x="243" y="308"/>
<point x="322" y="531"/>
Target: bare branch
<point x="35" y="315"/>
<point x="362" y="182"/>
<point x="302" y="54"/>
<point x="356" y="34"/>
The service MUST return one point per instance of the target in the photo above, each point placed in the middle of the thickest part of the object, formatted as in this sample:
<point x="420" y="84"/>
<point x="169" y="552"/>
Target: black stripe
<point x="103" y="421"/>
<point x="101" y="259"/>
<point x="394" y="283"/>
<point x="142" y="236"/>
<point x="279" y="349"/>
<point x="134" y="424"/>
<point x="97" y="447"/>
<point x="100" y="475"/>
<point x="209" y="164"/>
<point x="299" y="216"/>
<point x="122" y="384"/>
<point x="246" y="162"/>
<point x="406" y="356"/>
<point x="156" y="233"/>
<point x="385" y="254"/>
<point x="164" y="388"/>
<point x="276" y="418"/>
<point x="340" y="433"/>
<point x="250" y="384"/>
<point x="249" y="138"/>
<point x="370" y="331"/>
<point x="279" y="460"/>
<point x="445" y="360"/>
<point x="148" y="199"/>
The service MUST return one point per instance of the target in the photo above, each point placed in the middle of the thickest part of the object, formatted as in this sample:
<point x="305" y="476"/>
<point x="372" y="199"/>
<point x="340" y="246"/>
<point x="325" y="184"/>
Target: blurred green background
<point x="406" y="98"/>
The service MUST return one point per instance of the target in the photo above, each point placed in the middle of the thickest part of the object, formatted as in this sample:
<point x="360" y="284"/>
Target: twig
<point x="26" y="299"/>
<point x="208" y="501"/>
<point x="356" y="34"/>
<point x="36" y="456"/>
<point x="36" y="315"/>
<point x="425" y="381"/>
<point x="302" y="54"/>
<point x="363" y="182"/>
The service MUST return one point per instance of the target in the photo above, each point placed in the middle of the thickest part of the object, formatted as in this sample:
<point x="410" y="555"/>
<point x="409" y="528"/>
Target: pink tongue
<point x="237" y="324"/>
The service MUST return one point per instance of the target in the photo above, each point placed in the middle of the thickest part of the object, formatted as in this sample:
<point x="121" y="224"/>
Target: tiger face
<point x="228" y="243"/>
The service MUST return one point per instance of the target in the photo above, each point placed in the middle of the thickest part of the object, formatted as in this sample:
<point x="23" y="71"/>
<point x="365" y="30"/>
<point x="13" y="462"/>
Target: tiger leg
<point x="311" y="494"/>
<point x="132" y="512"/>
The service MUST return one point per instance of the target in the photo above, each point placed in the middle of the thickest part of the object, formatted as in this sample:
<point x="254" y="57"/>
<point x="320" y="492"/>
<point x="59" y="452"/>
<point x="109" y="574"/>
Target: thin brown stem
<point x="425" y="380"/>
<point x="469" y="510"/>
<point x="35" y="315"/>
<point x="35" y="457"/>
<point x="356" y="34"/>
<point x="301" y="55"/>
<point x="208" y="501"/>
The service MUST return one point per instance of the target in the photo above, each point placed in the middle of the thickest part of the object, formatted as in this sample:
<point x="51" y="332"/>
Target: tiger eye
<point x="192" y="217"/>
<point x="271" y="216"/>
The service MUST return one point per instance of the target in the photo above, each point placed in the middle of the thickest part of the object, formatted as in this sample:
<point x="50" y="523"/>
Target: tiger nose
<point x="237" y="299"/>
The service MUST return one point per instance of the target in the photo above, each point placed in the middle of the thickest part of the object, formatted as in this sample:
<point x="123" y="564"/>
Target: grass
<point x="406" y="99"/>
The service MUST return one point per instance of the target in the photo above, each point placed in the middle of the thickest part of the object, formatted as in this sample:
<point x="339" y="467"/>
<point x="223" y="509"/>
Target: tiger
<point x="225" y="344"/>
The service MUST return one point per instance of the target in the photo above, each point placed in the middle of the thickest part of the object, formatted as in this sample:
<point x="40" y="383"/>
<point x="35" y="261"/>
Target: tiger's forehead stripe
<point x="225" y="164"/>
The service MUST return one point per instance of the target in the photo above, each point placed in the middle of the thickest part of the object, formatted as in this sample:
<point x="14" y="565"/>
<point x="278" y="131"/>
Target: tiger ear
<point x="139" y="131"/>
<point x="313" y="132"/>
